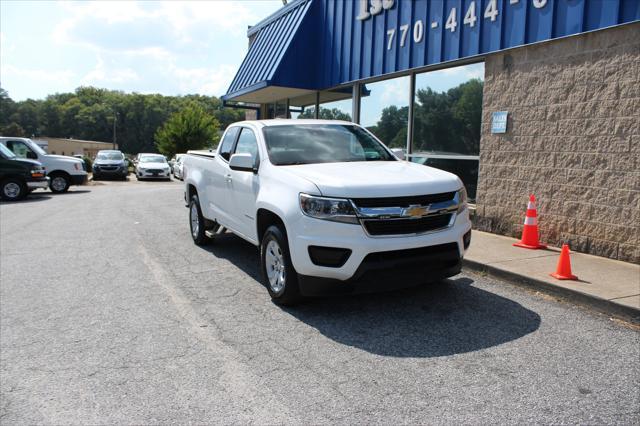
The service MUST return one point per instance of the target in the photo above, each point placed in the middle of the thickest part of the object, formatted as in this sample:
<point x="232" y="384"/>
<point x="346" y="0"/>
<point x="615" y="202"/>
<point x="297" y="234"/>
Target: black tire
<point x="13" y="189"/>
<point x="59" y="183"/>
<point x="284" y="289"/>
<point x="195" y="213"/>
<point x="95" y="177"/>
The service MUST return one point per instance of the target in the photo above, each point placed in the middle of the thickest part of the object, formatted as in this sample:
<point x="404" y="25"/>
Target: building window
<point x="336" y="110"/>
<point x="384" y="110"/>
<point x="447" y="118"/>
<point x="281" y="109"/>
<point x="335" y="104"/>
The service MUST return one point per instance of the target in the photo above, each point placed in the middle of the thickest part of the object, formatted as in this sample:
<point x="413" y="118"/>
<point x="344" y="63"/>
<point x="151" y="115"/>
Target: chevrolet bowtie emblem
<point x="416" y="211"/>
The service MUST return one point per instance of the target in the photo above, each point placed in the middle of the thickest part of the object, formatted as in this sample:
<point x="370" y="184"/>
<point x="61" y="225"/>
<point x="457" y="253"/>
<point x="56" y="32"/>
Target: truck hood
<point x="369" y="179"/>
<point x="28" y="162"/>
<point x="64" y="158"/>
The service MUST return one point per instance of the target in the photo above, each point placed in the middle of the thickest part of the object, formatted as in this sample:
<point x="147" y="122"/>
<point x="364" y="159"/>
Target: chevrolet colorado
<point x="330" y="207"/>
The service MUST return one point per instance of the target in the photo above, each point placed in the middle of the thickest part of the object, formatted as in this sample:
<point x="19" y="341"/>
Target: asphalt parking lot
<point x="110" y="314"/>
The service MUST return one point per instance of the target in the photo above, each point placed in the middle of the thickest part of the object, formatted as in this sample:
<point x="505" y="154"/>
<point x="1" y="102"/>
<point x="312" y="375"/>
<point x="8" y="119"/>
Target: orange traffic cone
<point x="563" y="270"/>
<point x="530" y="231"/>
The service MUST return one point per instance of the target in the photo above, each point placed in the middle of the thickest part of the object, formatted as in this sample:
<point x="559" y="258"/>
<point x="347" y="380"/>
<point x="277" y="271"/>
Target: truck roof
<point x="290" y="121"/>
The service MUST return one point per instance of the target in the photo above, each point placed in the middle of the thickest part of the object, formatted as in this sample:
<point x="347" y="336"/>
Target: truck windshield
<point x="322" y="143"/>
<point x="6" y="152"/>
<point x="34" y="146"/>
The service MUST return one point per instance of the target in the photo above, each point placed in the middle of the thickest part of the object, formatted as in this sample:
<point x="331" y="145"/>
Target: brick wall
<point x="573" y="139"/>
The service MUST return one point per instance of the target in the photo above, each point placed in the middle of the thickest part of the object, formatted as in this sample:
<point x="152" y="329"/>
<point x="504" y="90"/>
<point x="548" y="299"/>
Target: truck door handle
<point x="228" y="178"/>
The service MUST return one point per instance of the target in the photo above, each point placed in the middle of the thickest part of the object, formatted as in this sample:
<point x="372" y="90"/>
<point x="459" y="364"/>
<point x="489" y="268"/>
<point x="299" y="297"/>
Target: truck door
<point x="219" y="200"/>
<point x="244" y="186"/>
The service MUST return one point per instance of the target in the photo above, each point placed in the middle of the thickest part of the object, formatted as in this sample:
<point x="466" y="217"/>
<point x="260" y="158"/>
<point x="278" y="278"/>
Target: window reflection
<point x="447" y="119"/>
<point x="384" y="110"/>
<point x="334" y="105"/>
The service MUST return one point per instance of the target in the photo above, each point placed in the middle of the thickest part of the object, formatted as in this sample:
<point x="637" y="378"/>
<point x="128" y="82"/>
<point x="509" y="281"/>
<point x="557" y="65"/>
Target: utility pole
<point x="115" y="118"/>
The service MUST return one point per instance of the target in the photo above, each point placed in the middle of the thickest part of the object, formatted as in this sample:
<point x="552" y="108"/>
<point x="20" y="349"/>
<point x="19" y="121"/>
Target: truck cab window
<point x="21" y="150"/>
<point x="248" y="144"/>
<point x="227" y="142"/>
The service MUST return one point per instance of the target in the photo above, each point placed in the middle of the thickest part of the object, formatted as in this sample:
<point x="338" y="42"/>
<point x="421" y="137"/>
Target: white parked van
<point x="63" y="171"/>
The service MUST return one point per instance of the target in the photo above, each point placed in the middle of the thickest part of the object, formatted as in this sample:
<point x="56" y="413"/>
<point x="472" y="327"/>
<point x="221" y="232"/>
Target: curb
<point x="626" y="313"/>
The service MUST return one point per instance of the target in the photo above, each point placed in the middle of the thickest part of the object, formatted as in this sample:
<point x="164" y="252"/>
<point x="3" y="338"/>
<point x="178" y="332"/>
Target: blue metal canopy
<point x="313" y="45"/>
<point x="271" y="41"/>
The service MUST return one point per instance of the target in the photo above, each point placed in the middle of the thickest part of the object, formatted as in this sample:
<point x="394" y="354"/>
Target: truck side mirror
<point x="242" y="162"/>
<point x="398" y="152"/>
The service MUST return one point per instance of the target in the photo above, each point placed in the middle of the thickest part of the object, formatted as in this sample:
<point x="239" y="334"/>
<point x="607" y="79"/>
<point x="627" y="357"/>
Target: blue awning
<point x="262" y="72"/>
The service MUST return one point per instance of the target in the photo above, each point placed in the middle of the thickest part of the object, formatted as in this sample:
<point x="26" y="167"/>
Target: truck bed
<point x="202" y="152"/>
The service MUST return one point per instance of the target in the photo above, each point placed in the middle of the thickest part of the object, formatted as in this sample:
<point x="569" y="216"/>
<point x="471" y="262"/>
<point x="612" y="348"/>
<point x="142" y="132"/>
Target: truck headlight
<point x="333" y="209"/>
<point x="462" y="199"/>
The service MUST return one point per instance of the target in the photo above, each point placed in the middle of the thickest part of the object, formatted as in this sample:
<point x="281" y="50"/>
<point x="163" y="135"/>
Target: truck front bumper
<point x="79" y="179"/>
<point x="389" y="261"/>
<point x="38" y="184"/>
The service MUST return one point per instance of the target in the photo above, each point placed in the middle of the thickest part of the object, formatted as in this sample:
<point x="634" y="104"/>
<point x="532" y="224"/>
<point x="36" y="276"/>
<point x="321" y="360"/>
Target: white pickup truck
<point x="330" y="207"/>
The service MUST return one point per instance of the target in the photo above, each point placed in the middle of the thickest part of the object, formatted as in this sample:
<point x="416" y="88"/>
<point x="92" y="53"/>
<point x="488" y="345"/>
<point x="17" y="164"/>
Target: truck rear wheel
<point x="278" y="273"/>
<point x="13" y="189"/>
<point x="197" y="223"/>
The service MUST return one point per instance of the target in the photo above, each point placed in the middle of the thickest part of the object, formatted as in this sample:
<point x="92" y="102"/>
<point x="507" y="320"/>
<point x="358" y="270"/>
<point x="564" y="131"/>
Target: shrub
<point x="88" y="163"/>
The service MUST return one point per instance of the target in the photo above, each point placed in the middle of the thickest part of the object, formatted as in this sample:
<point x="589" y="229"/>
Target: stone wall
<point x="573" y="140"/>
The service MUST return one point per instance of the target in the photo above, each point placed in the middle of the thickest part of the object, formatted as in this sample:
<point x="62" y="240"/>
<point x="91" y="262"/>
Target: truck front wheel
<point x="277" y="270"/>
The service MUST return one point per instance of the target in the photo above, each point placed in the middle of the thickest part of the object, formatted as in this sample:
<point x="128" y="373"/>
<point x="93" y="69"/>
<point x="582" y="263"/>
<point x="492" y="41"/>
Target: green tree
<point x="467" y="112"/>
<point x="7" y="107"/>
<point x="449" y="121"/>
<point x="190" y="128"/>
<point x="27" y="115"/>
<point x="12" y="129"/>
<point x="392" y="126"/>
<point x="326" y="114"/>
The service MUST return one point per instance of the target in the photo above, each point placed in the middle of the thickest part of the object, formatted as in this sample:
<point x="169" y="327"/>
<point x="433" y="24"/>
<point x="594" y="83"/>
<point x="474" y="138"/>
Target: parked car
<point x="177" y="166"/>
<point x="110" y="163"/>
<point x="152" y="166"/>
<point x="330" y="207"/>
<point x="63" y="171"/>
<point x="18" y="177"/>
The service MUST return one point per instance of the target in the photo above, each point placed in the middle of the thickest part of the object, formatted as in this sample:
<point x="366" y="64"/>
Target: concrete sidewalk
<point x="610" y="286"/>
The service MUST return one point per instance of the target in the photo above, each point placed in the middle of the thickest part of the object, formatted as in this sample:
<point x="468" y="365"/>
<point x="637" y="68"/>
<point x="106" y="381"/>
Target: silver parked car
<point x="152" y="166"/>
<point x="177" y="166"/>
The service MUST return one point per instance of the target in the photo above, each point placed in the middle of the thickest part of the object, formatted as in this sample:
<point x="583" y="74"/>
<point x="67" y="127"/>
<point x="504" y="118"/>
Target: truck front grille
<point x="406" y="226"/>
<point x="419" y="200"/>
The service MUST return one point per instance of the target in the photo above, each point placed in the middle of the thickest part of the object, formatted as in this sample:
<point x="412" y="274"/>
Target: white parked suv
<point x="63" y="171"/>
<point x="330" y="207"/>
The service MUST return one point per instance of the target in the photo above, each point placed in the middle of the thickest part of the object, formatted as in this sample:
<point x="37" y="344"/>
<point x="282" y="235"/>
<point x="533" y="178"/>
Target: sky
<point x="171" y="48"/>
